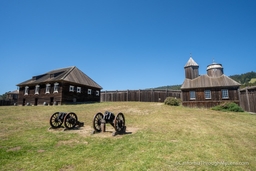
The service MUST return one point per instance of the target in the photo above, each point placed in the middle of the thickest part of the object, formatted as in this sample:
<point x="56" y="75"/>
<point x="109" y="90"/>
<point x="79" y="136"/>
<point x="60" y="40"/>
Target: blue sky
<point x="125" y="44"/>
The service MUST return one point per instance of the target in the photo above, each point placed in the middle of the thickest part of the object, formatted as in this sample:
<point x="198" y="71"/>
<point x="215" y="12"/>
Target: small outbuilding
<point x="207" y="90"/>
<point x="59" y="86"/>
<point x="13" y="96"/>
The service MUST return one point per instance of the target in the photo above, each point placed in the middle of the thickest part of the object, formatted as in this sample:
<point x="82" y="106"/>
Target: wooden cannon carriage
<point x="70" y="120"/>
<point x="118" y="122"/>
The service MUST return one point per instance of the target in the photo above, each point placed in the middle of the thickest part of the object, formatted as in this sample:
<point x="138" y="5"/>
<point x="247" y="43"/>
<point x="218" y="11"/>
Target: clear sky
<point x="125" y="44"/>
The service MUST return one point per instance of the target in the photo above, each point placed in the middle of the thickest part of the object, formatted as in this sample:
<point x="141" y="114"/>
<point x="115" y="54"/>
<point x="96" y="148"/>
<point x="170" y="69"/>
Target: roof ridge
<point x="71" y="69"/>
<point x="57" y="69"/>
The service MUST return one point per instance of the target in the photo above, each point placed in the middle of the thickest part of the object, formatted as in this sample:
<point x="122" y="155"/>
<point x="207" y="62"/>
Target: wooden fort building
<point x="60" y="86"/>
<point x="207" y="90"/>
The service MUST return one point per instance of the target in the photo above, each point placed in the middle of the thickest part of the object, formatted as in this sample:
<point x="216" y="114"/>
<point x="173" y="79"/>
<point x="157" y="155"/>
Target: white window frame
<point x="89" y="91"/>
<point x="224" y="94"/>
<point x="192" y="95"/>
<point x="26" y="90"/>
<point x="97" y="92"/>
<point x="71" y="88"/>
<point x="37" y="88"/>
<point x="48" y="88"/>
<point x="56" y="88"/>
<point x="207" y="94"/>
<point x="78" y="89"/>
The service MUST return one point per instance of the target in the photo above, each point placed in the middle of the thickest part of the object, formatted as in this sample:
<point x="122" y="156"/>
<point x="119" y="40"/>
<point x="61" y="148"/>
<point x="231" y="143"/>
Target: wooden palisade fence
<point x="7" y="102"/>
<point x="139" y="95"/>
<point x="248" y="99"/>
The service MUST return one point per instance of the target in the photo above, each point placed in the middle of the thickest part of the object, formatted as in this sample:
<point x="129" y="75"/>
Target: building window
<point x="207" y="94"/>
<point x="78" y="89"/>
<point x="56" y="88"/>
<point x="192" y="95"/>
<point x="71" y="88"/>
<point x="224" y="93"/>
<point x="89" y="91"/>
<point x="47" y="89"/>
<point x="97" y="93"/>
<point x="26" y="90"/>
<point x="37" y="89"/>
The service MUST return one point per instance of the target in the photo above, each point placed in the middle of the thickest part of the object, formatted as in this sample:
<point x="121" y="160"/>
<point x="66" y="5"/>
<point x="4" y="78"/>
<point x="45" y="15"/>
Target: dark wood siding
<point x="191" y="72"/>
<point x="248" y="99"/>
<point x="216" y="97"/>
<point x="7" y="102"/>
<point x="75" y="97"/>
<point x="215" y="72"/>
<point x="41" y="98"/>
<point x="64" y="96"/>
<point x="139" y="95"/>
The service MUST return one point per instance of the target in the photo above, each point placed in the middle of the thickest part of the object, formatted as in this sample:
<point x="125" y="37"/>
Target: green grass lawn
<point x="159" y="137"/>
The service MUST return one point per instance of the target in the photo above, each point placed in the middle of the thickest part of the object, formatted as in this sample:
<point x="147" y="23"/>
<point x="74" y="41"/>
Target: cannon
<point x="100" y="121"/>
<point x="69" y="119"/>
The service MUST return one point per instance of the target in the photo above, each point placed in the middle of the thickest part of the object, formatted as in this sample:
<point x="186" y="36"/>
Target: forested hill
<point x="169" y="87"/>
<point x="247" y="79"/>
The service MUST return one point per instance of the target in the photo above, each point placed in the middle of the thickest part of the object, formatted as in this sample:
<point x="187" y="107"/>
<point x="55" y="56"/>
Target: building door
<point x="23" y="102"/>
<point x="51" y="100"/>
<point x="36" y="100"/>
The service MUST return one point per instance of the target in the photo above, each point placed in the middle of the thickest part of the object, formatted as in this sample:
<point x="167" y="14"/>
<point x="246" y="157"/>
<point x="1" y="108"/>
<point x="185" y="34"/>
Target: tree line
<point x="247" y="79"/>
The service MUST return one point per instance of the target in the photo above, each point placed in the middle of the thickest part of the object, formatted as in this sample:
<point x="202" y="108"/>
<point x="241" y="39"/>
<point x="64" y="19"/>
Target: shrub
<point x="172" y="101"/>
<point x="228" y="106"/>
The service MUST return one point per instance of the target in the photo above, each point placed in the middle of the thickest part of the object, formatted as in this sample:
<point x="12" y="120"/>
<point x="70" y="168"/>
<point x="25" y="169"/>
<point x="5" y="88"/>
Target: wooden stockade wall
<point x="139" y="95"/>
<point x="7" y="102"/>
<point x="248" y="99"/>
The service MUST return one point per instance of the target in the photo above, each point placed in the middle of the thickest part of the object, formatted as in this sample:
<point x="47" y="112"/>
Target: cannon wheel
<point x="70" y="120"/>
<point x="119" y="122"/>
<point x="55" y="122"/>
<point x="97" y="121"/>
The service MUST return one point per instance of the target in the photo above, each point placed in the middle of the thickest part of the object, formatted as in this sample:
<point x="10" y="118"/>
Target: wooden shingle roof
<point x="70" y="74"/>
<point x="204" y="81"/>
<point x="191" y="62"/>
<point x="13" y="92"/>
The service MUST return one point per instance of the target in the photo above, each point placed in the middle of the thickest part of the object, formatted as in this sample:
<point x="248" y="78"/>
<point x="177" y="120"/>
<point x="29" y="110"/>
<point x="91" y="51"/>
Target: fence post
<point x="117" y="96"/>
<point x="139" y="95"/>
<point x="248" y="100"/>
<point x="127" y="99"/>
<point x="166" y="94"/>
<point x="152" y="95"/>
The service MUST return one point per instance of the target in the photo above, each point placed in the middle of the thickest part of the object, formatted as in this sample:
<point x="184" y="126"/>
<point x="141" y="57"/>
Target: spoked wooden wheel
<point x="119" y="122"/>
<point x="55" y="120"/>
<point x="97" y="122"/>
<point x="70" y="120"/>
